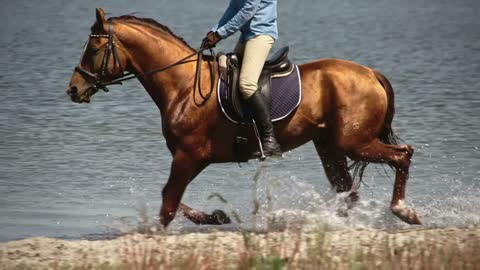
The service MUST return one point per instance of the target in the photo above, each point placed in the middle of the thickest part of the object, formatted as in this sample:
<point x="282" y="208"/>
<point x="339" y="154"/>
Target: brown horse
<point x="346" y="109"/>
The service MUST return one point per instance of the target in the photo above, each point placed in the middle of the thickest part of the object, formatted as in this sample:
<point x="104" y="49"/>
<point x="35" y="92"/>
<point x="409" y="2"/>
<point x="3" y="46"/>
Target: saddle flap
<point x="284" y="96"/>
<point x="233" y="65"/>
<point x="276" y="67"/>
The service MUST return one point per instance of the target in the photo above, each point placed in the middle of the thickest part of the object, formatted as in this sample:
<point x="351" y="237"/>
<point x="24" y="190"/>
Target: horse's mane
<point x="150" y="23"/>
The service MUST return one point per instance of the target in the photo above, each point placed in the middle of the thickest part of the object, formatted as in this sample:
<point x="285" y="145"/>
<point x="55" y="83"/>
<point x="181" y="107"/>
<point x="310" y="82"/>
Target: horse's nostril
<point x="72" y="91"/>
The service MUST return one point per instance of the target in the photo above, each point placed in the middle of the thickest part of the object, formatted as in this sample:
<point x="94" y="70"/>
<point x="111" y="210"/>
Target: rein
<point x="101" y="84"/>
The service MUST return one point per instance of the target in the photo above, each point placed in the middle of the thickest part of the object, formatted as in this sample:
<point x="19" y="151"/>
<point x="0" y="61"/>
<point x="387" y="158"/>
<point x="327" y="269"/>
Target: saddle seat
<point x="278" y="62"/>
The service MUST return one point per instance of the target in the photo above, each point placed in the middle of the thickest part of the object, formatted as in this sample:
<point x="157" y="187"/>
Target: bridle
<point x="100" y="80"/>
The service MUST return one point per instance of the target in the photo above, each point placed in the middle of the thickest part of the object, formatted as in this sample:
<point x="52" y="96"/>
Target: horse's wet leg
<point x="398" y="199"/>
<point x="218" y="217"/>
<point x="399" y="156"/>
<point x="171" y="195"/>
<point x="182" y="171"/>
<point x="335" y="166"/>
<point x="336" y="170"/>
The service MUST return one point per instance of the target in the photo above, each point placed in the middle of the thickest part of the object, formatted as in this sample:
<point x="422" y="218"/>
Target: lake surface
<point x="91" y="171"/>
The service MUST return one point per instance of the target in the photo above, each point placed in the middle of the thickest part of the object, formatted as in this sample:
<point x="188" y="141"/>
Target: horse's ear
<point x="100" y="16"/>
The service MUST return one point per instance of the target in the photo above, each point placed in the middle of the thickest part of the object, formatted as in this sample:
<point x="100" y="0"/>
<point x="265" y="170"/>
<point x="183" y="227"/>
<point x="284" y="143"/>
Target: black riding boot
<point x="264" y="123"/>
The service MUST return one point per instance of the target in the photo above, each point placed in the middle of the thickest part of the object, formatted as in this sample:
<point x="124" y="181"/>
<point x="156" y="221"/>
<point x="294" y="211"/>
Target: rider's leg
<point x="255" y="52"/>
<point x="254" y="55"/>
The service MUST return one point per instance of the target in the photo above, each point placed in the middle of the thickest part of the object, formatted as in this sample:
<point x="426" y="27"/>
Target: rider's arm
<point x="234" y="23"/>
<point x="227" y="15"/>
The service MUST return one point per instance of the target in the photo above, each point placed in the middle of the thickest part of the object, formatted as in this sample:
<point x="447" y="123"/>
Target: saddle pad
<point x="286" y="94"/>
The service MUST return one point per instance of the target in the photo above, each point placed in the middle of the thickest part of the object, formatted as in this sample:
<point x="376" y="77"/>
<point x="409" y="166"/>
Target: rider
<point x="257" y="22"/>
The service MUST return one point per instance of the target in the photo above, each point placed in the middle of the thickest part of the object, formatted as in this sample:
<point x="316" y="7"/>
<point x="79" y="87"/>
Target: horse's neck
<point x="149" y="51"/>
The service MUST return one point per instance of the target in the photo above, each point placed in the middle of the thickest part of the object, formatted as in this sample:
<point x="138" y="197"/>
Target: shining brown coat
<point x="346" y="110"/>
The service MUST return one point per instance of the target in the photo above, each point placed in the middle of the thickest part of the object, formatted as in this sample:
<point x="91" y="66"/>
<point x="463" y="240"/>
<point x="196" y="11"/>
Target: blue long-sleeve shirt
<point x="251" y="17"/>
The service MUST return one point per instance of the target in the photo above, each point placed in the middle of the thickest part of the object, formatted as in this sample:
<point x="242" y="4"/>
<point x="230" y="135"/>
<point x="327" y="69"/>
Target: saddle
<point x="279" y="83"/>
<point x="277" y="66"/>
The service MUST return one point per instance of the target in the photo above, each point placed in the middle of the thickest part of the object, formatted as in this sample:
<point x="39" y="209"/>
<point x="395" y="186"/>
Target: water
<point x="88" y="171"/>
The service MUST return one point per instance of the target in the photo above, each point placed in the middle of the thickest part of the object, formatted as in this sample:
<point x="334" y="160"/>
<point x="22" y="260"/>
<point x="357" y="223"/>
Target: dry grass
<point x="288" y="250"/>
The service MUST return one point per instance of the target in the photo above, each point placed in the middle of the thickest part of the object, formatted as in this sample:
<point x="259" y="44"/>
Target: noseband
<point x="100" y="82"/>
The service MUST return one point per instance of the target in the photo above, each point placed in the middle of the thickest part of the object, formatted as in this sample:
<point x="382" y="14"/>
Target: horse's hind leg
<point x="336" y="168"/>
<point x="398" y="156"/>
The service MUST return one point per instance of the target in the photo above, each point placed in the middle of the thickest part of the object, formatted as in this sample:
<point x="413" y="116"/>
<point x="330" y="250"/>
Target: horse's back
<point x="346" y="80"/>
<point x="335" y="65"/>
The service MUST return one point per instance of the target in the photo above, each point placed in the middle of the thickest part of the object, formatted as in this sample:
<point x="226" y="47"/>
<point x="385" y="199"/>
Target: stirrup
<point x="259" y="141"/>
<point x="271" y="147"/>
<point x="261" y="155"/>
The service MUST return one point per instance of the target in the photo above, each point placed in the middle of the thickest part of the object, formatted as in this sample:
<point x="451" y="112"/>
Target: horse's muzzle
<point x="73" y="93"/>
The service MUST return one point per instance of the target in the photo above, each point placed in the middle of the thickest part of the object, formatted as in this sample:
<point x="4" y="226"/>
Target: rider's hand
<point x="211" y="40"/>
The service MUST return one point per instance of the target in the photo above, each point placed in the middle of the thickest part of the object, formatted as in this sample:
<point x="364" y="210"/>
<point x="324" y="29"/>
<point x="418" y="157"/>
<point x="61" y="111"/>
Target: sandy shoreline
<point x="132" y="249"/>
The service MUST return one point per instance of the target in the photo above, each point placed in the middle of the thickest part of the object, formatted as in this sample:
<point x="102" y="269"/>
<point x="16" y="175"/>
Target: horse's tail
<point x="386" y="135"/>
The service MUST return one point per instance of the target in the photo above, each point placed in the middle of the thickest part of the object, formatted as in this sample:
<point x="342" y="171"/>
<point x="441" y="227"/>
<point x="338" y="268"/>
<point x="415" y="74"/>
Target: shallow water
<point x="90" y="171"/>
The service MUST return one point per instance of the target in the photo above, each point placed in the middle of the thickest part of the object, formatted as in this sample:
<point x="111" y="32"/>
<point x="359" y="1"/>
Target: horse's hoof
<point x="353" y="196"/>
<point x="342" y="212"/>
<point x="220" y="217"/>
<point x="352" y="199"/>
<point x="406" y="214"/>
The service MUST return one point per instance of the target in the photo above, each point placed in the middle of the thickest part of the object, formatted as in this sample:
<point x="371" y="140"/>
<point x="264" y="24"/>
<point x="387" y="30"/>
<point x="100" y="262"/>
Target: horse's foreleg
<point x="399" y="156"/>
<point x="182" y="171"/>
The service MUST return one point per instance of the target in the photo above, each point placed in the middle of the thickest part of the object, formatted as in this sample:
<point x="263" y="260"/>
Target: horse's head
<point x="102" y="62"/>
